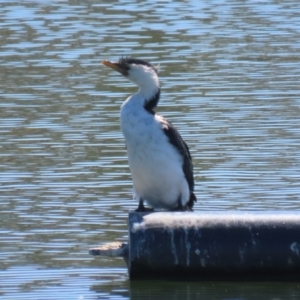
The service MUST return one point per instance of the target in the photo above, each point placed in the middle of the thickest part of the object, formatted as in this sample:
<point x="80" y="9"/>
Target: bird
<point x="159" y="160"/>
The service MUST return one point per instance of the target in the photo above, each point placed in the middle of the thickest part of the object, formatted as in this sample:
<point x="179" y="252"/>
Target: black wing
<point x="176" y="140"/>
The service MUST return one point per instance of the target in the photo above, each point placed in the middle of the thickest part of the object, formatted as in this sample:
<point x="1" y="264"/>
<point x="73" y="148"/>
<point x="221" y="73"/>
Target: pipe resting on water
<point x="210" y="245"/>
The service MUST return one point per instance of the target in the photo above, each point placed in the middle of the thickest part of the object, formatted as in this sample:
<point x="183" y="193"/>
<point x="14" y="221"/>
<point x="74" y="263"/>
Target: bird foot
<point x="142" y="208"/>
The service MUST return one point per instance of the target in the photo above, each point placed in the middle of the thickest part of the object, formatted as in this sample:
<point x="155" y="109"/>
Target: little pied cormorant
<point x="159" y="159"/>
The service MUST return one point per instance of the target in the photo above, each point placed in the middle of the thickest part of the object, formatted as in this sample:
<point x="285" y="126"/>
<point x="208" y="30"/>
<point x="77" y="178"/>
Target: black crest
<point x="127" y="61"/>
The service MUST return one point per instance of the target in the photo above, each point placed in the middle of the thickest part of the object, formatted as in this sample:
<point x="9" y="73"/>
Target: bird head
<point x="138" y="71"/>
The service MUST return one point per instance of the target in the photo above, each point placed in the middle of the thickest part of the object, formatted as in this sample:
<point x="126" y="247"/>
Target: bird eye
<point x="124" y="65"/>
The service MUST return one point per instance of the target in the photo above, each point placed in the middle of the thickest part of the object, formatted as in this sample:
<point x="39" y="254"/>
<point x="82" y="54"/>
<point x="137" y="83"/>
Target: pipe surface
<point x="214" y="245"/>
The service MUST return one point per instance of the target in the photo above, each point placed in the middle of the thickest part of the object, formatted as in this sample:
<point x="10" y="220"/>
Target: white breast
<point x="155" y="164"/>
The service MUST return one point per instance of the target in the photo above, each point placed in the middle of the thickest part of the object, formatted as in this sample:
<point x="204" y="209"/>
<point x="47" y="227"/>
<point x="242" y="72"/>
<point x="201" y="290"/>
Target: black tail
<point x="191" y="201"/>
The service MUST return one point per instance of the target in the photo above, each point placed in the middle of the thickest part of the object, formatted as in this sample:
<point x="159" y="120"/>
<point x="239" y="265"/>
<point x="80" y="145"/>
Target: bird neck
<point x="151" y="103"/>
<point x="150" y="96"/>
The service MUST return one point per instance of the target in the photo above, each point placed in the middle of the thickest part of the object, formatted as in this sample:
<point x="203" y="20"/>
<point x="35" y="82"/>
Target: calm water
<point x="230" y="73"/>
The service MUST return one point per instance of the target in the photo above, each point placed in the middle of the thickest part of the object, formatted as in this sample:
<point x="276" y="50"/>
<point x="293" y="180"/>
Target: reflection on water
<point x="230" y="83"/>
<point x="213" y="290"/>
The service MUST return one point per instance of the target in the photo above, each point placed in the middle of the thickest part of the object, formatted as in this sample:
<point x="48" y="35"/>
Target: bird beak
<point x="114" y="65"/>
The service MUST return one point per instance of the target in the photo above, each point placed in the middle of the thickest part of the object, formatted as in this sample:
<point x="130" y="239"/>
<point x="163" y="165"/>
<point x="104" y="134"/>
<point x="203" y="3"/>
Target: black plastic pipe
<point x="213" y="245"/>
